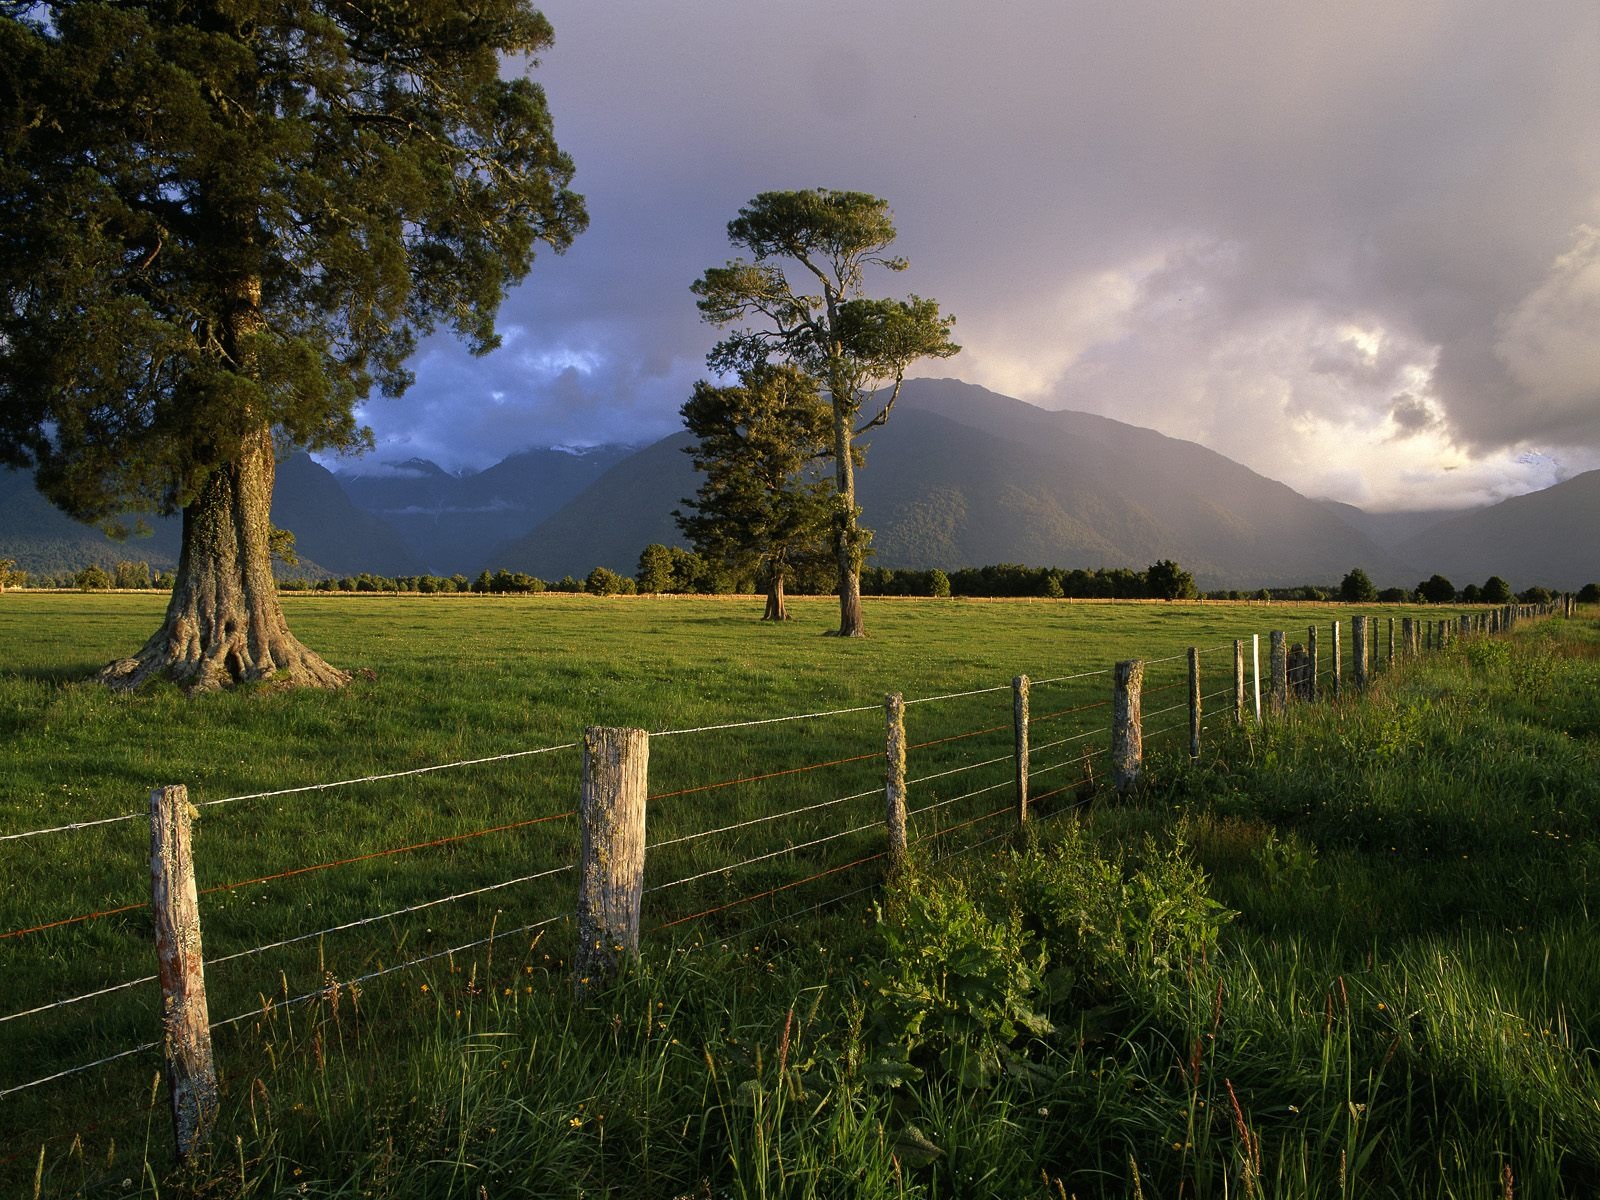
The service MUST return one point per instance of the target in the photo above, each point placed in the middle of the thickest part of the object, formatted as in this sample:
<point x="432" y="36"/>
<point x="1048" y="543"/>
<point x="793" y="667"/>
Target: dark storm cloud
<point x="1254" y="225"/>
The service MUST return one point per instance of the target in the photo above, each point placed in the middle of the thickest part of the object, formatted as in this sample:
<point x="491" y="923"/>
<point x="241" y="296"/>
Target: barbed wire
<point x="988" y="762"/>
<point x="788" y="812"/>
<point x="832" y="837"/>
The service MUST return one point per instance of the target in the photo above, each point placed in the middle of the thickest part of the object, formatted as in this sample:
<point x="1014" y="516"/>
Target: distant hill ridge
<point x="960" y="476"/>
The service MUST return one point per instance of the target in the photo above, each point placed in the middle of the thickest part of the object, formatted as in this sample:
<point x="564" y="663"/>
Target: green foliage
<point x="1166" y="580"/>
<point x="130" y="575"/>
<point x="762" y="505"/>
<point x="1495" y="591"/>
<point x="851" y="345"/>
<point x="603" y="581"/>
<point x="938" y="583"/>
<point x="92" y="578"/>
<point x="654" y="572"/>
<point x="220" y="220"/>
<point x="1589" y="593"/>
<point x="956" y="990"/>
<point x="1436" y="589"/>
<point x="1357" y="588"/>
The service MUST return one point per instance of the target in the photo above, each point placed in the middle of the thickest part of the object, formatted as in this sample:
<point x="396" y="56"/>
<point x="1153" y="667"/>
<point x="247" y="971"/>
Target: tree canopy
<point x="1357" y="587"/>
<point x="226" y="223"/>
<point x="763" y="502"/>
<point x="821" y="322"/>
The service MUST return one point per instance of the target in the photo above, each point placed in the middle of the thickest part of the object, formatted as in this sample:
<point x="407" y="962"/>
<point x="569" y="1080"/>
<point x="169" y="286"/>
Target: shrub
<point x="92" y="578"/>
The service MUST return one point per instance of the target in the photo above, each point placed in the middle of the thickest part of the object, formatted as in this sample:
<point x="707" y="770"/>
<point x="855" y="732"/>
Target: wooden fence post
<point x="1313" y="654"/>
<point x="1194" y="702"/>
<point x="895" y="780"/>
<point x="1390" y="662"/>
<point x="185" y="1024"/>
<point x="1358" y="653"/>
<point x="1019" y="718"/>
<point x="616" y="765"/>
<point x="1238" y="681"/>
<point x="1255" y="672"/>
<point x="1338" y="662"/>
<point x="1127" y="733"/>
<point x="1280" y="672"/>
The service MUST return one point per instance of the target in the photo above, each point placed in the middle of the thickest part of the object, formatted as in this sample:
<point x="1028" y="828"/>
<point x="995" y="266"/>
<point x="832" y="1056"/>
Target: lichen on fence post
<point x="185" y="1025"/>
<point x="1314" y="655"/>
<point x="1019" y="719"/>
<point x="616" y="765"/>
<point x="895" y="780"/>
<point x="1194" y="702"/>
<point x="1338" y="661"/>
<point x="1255" y="672"/>
<point x="1238" y="681"/>
<point x="1127" y="733"/>
<point x="1280" y="672"/>
<point x="1358" y="653"/>
<point x="1390" y="660"/>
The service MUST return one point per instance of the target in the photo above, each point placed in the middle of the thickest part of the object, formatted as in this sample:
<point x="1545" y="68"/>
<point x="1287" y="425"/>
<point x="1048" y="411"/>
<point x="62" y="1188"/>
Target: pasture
<point x="447" y="679"/>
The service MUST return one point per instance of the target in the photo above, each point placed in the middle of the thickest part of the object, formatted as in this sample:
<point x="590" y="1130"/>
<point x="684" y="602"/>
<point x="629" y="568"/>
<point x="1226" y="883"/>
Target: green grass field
<point x="455" y="678"/>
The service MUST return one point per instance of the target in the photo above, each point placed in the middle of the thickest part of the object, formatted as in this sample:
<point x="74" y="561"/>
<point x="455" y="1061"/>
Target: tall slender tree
<point x="763" y="501"/>
<point x="221" y="224"/>
<point x="857" y="348"/>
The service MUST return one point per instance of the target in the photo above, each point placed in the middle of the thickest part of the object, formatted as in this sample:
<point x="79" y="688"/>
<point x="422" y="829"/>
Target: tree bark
<point x="776" y="609"/>
<point x="846" y="533"/>
<point x="224" y="624"/>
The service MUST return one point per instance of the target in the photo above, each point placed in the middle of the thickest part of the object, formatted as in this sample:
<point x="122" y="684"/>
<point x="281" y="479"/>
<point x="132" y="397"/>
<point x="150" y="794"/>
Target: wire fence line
<point x="1083" y="790"/>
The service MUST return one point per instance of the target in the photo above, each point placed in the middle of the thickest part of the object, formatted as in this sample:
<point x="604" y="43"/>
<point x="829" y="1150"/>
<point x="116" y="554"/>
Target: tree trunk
<point x="224" y="624"/>
<point x="776" y="609"/>
<point x="846" y="533"/>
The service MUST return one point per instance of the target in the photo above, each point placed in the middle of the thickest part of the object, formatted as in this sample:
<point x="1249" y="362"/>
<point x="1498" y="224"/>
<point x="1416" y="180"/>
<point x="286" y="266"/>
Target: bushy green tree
<point x="603" y="581"/>
<point x="92" y="578"/>
<point x="762" y="505"/>
<point x="1436" y="589"/>
<point x="130" y="575"/>
<point x="1166" y="580"/>
<point x="222" y="225"/>
<point x="1357" y="588"/>
<point x="654" y="572"/>
<point x="1495" y="591"/>
<point x="1589" y="593"/>
<point x="822" y="323"/>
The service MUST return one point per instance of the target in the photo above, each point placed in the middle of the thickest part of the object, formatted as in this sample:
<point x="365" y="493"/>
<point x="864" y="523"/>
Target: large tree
<point x="221" y="225"/>
<point x="857" y="348"/>
<point x="762" y="501"/>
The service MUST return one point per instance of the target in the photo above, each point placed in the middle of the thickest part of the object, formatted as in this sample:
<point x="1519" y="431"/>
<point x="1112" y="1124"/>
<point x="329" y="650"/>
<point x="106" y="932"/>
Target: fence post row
<point x="611" y="859"/>
<point x="190" y="1068"/>
<point x="895" y="780"/>
<point x="1127" y="734"/>
<point x="1194" y="702"/>
<point x="1019" y="716"/>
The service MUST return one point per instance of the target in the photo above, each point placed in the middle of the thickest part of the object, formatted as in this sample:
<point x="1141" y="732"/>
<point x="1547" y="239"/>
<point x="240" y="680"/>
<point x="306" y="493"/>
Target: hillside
<point x="962" y="476"/>
<point x="1550" y="538"/>
<point x="331" y="534"/>
<point x="453" y="523"/>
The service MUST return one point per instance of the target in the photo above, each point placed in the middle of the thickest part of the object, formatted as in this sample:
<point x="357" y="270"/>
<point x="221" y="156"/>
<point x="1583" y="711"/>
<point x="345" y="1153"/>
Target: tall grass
<point x="754" y="1063"/>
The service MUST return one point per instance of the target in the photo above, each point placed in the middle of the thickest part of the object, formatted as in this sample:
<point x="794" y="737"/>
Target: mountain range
<point x="960" y="476"/>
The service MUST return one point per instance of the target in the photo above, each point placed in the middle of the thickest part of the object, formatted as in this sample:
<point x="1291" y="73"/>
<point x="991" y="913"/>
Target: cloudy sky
<point x="1354" y="246"/>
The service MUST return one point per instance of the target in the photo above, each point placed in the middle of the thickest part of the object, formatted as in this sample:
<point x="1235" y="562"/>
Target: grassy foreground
<point x="1354" y="959"/>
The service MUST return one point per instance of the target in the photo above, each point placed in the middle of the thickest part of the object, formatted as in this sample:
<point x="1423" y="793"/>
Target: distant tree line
<point x="675" y="570"/>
